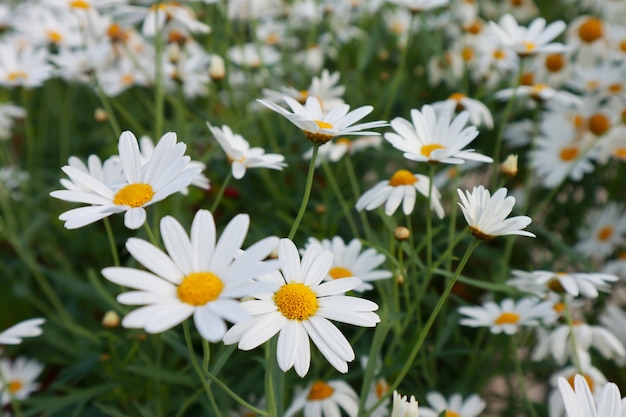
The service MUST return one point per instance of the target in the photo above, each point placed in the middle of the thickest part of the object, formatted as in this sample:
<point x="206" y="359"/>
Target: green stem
<point x="203" y="377"/>
<point x="307" y="194"/>
<point x="504" y="119"/>
<point x="354" y="183"/>
<point x="159" y="96"/>
<point x="521" y="379"/>
<point x="112" y="246"/>
<point x="220" y="192"/>
<point x="31" y="146"/>
<point x="115" y="126"/>
<point x="150" y="234"/>
<point x="572" y="335"/>
<point x="270" y="365"/>
<point x="342" y="201"/>
<point x="425" y="330"/>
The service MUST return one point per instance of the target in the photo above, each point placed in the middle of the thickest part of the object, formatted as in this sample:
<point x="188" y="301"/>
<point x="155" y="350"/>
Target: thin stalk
<point x="107" y="226"/>
<point x="150" y="234"/>
<point x="354" y="183"/>
<point x="426" y="329"/>
<point x="220" y="192"/>
<point x="29" y="130"/>
<point x="115" y="126"/>
<point x="504" y="119"/>
<point x="521" y="379"/>
<point x="307" y="193"/>
<point x="201" y="375"/>
<point x="342" y="201"/>
<point x="572" y="335"/>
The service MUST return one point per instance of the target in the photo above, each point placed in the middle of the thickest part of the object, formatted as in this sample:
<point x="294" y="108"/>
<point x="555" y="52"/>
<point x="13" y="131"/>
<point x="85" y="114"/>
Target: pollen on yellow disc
<point x="599" y="124"/>
<point x="296" y="301"/>
<point x="554" y="62"/>
<point x="569" y="154"/>
<point x="340" y="272"/>
<point x="507" y="317"/>
<point x="450" y="413"/>
<point x="17" y="75"/>
<point x="402" y="177"/>
<point x="79" y="4"/>
<point x="570" y="379"/>
<point x="555" y="286"/>
<point x="427" y="149"/>
<point x="591" y="30"/>
<point x="198" y="288"/>
<point x="54" y="36"/>
<point x="15" y="386"/>
<point x="605" y="233"/>
<point x="320" y="391"/>
<point x="134" y="195"/>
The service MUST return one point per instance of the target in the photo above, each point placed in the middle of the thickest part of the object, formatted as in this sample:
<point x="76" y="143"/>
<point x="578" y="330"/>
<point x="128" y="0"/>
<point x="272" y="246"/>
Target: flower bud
<point x="100" y="115"/>
<point x="401" y="233"/>
<point x="110" y="319"/>
<point x="509" y="166"/>
<point x="217" y="70"/>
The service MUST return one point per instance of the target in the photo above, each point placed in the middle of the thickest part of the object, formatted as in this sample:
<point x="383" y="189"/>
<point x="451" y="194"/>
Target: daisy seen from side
<point x="199" y="276"/>
<point x="585" y="284"/>
<point x="27" y="328"/>
<point x="435" y="138"/>
<point x="403" y="406"/>
<point x="508" y="315"/>
<point x="350" y="261"/>
<point x="401" y="188"/>
<point x="486" y="214"/>
<point x="299" y="307"/>
<point x="536" y="38"/>
<point x="579" y="402"/>
<point x="325" y="399"/>
<point x="455" y="405"/>
<point x="320" y="127"/>
<point x="166" y="173"/>
<point x="241" y="156"/>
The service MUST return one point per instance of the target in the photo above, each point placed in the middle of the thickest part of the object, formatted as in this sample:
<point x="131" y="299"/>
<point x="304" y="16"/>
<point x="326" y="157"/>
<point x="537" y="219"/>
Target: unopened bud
<point x="401" y="233"/>
<point x="110" y="319"/>
<point x="100" y="115"/>
<point x="321" y="208"/>
<point x="217" y="70"/>
<point x="509" y="166"/>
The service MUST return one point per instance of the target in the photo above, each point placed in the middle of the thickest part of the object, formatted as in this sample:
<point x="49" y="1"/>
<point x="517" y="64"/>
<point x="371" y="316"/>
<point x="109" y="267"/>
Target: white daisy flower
<point x="403" y="406"/>
<point x="325" y="399"/>
<point x="241" y="156"/>
<point x="349" y="261"/>
<point x="197" y="276"/>
<point x="419" y="6"/>
<point x="486" y="214"/>
<point x="146" y="148"/>
<point x="26" y="67"/>
<point x="299" y="307"/>
<point x="8" y="112"/>
<point x="580" y="403"/>
<point x="18" y="379"/>
<point x="604" y="232"/>
<point x="508" y="315"/>
<point x="434" y="138"/>
<point x="166" y="173"/>
<point x="27" y="328"/>
<point x="456" y="406"/>
<point x="108" y="172"/>
<point x="532" y="40"/>
<point x="557" y="342"/>
<point x="400" y="188"/>
<point x="573" y="283"/>
<point x="320" y="127"/>
<point x="540" y="93"/>
<point x="478" y="112"/>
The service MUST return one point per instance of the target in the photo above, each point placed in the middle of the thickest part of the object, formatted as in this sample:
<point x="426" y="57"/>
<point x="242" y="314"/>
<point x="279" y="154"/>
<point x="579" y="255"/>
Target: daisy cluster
<point x="435" y="133"/>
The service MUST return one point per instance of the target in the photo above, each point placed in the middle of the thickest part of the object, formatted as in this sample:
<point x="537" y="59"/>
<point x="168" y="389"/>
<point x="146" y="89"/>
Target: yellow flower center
<point x="467" y="53"/>
<point x="599" y="124"/>
<point x="569" y="154"/>
<point x="134" y="195"/>
<point x="499" y="54"/>
<point x="619" y="153"/>
<point x="578" y="121"/>
<point x="296" y="301"/>
<point x="402" y="177"/>
<point x="323" y="125"/>
<point x="340" y="272"/>
<point x="507" y="317"/>
<point x="457" y="96"/>
<point x="530" y="46"/>
<point x="558" y="307"/>
<point x="590" y="383"/>
<point x="527" y="78"/>
<point x="554" y="62"/>
<point x="198" y="288"/>
<point x="127" y="79"/>
<point x="474" y="28"/>
<point x="17" y="75"/>
<point x="397" y="28"/>
<point x="605" y="233"/>
<point x="428" y="149"/>
<point x="15" y="386"/>
<point x="450" y="413"/>
<point x="320" y="391"/>
<point x="382" y="387"/>
<point x="616" y="88"/>
<point x="79" y="4"/>
<point x="54" y="36"/>
<point x="555" y="284"/>
<point x="591" y="30"/>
